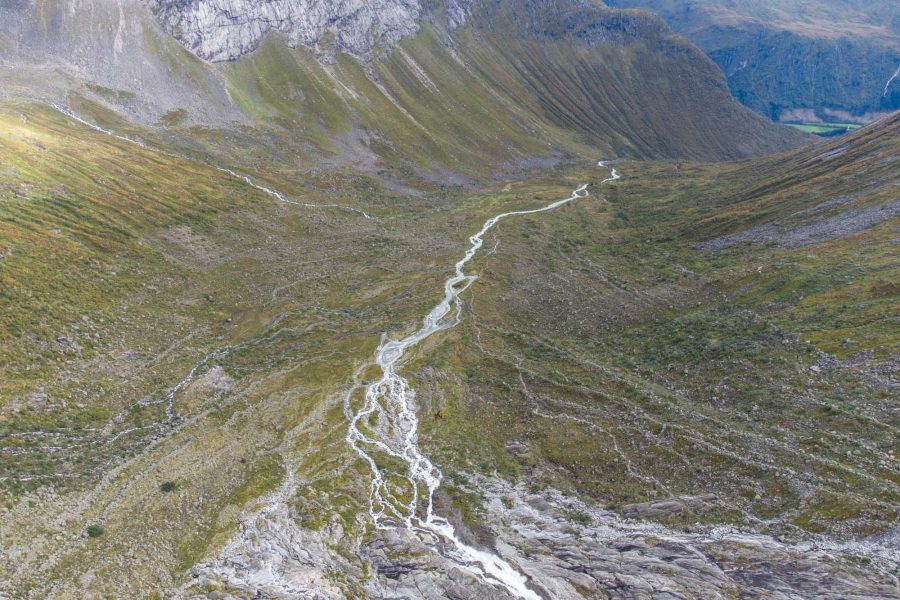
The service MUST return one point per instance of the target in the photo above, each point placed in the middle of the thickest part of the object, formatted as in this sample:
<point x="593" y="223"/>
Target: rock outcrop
<point x="458" y="12"/>
<point x="221" y="30"/>
<point x="597" y="554"/>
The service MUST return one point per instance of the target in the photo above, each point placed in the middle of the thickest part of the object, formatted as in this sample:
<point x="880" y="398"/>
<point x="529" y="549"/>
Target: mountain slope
<point x="171" y="323"/>
<point x="702" y="345"/>
<point x="676" y="383"/>
<point x="797" y="60"/>
<point x="213" y="365"/>
<point x="585" y="78"/>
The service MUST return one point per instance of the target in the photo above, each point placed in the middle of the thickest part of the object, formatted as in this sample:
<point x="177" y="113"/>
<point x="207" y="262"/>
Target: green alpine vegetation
<point x="825" y="129"/>
<point x="693" y="330"/>
<point x="721" y="330"/>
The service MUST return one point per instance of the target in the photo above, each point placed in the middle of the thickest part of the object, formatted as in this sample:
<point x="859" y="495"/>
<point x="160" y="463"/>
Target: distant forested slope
<point x="818" y="60"/>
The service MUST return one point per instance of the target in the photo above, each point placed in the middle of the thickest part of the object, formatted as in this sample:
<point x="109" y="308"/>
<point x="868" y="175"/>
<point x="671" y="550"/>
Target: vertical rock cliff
<point x="228" y="29"/>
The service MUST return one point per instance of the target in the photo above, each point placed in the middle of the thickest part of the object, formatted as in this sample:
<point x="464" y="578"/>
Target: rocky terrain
<point x="568" y="550"/>
<point x="450" y="85"/>
<point x="225" y="31"/>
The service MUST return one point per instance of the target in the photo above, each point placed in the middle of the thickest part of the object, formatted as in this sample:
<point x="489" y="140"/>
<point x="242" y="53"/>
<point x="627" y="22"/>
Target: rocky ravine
<point x="221" y="30"/>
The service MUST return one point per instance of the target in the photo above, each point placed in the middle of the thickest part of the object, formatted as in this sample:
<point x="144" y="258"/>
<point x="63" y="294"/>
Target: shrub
<point x="168" y="486"/>
<point x="94" y="531"/>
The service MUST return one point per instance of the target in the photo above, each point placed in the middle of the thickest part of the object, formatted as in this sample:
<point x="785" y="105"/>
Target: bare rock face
<point x="458" y="12"/>
<point x="221" y="30"/>
<point x="566" y="549"/>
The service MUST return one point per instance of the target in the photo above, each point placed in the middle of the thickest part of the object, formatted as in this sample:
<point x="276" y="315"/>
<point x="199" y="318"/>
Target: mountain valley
<point x="238" y="362"/>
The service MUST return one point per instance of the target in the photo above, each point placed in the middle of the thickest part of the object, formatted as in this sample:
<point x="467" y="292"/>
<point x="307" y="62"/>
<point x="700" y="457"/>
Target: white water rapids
<point x="387" y="426"/>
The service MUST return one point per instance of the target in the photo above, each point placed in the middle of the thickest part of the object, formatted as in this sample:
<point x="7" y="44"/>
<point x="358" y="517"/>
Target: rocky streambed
<point x="566" y="549"/>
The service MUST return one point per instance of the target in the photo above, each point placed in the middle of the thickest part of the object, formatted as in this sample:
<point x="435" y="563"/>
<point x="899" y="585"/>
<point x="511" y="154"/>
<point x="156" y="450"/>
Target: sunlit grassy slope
<point x="125" y="270"/>
<point x="175" y="342"/>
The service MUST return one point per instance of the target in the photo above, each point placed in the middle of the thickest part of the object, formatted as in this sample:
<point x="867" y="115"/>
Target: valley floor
<point x="680" y="386"/>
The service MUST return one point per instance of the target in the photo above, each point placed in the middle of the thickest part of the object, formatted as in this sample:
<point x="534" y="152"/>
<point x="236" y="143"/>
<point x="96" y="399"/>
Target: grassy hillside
<point x="176" y="343"/>
<point x="620" y="76"/>
<point x="166" y="323"/>
<point x="497" y="96"/>
<point x="189" y="344"/>
<point x="726" y="332"/>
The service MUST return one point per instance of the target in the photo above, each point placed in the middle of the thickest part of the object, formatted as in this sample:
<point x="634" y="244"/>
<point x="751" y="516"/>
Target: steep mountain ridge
<point x="584" y="76"/>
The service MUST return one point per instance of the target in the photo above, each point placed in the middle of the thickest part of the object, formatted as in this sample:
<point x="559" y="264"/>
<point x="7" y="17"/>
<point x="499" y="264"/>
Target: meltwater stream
<point x="387" y="426"/>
